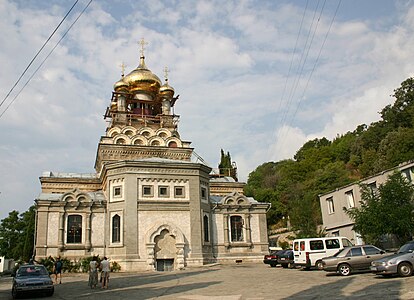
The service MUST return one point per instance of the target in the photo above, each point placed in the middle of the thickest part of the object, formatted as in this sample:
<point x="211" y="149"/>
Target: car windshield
<point x="31" y="271"/>
<point x="409" y="247"/>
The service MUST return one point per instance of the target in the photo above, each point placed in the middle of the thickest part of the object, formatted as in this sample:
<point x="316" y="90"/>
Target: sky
<point x="256" y="78"/>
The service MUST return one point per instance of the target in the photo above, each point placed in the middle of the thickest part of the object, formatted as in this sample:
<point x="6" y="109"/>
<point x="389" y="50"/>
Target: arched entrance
<point x="165" y="248"/>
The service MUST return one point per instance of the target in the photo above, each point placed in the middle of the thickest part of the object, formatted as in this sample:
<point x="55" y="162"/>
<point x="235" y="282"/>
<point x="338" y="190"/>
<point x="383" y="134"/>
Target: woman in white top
<point x="93" y="272"/>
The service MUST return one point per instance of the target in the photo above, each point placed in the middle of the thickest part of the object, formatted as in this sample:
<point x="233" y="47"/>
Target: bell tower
<point x="140" y="120"/>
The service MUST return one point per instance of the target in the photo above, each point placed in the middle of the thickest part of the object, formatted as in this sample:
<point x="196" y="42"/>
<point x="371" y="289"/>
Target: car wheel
<point x="272" y="265"/>
<point x="50" y="293"/>
<point x="404" y="269"/>
<point x="319" y="265"/>
<point x="344" y="269"/>
<point x="15" y="294"/>
<point x="285" y="266"/>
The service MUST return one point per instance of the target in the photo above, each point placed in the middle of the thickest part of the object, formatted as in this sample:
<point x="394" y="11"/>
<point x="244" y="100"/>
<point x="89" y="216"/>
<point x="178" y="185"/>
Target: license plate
<point x="373" y="268"/>
<point x="283" y="258"/>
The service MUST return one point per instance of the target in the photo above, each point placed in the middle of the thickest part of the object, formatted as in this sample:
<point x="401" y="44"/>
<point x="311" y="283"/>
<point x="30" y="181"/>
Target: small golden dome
<point x="166" y="90"/>
<point x="120" y="84"/>
<point x="143" y="80"/>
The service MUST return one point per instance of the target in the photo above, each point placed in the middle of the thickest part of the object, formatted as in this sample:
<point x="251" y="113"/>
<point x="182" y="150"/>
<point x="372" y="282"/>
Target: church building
<point x="151" y="204"/>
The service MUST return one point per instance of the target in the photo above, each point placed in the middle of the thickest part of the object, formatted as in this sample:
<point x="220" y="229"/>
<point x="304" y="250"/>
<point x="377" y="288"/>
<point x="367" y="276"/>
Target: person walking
<point x="105" y="272"/>
<point x="57" y="270"/>
<point x="93" y="272"/>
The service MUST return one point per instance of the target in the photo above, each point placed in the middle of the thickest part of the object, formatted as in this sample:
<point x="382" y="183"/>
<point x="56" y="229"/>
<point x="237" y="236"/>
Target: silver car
<point x="31" y="279"/>
<point x="350" y="259"/>
<point x="400" y="263"/>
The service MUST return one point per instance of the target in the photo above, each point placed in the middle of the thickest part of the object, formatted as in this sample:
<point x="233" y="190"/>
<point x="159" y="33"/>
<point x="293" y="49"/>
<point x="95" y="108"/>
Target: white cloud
<point x="228" y="60"/>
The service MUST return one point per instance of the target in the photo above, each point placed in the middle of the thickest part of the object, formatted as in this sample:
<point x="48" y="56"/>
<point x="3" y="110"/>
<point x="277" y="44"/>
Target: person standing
<point x="57" y="270"/>
<point x="105" y="272"/>
<point x="93" y="272"/>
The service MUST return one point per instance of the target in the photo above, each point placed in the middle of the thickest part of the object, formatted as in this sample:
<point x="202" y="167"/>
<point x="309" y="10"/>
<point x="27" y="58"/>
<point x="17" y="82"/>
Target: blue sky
<point x="253" y="78"/>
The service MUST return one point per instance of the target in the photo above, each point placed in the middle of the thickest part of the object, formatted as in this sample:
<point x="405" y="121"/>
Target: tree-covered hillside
<point x="292" y="186"/>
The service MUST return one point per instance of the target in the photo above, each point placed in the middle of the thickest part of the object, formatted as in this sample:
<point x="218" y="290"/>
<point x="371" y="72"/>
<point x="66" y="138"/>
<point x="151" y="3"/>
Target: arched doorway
<point x="164" y="251"/>
<point x="165" y="248"/>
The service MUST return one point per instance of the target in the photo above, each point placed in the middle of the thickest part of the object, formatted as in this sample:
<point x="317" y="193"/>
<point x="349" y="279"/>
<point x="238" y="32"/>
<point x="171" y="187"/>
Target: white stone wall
<point x="98" y="229"/>
<point x="217" y="228"/>
<point x="52" y="229"/>
<point x="255" y="228"/>
<point x="148" y="219"/>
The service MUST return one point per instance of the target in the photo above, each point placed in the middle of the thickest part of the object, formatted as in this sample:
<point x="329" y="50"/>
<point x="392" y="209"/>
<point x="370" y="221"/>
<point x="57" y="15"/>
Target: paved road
<point x="232" y="282"/>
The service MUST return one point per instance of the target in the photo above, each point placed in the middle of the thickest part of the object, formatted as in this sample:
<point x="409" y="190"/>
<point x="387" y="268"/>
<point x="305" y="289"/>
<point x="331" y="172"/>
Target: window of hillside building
<point x="179" y="192"/>
<point x="205" y="223"/>
<point x="116" y="229"/>
<point x="117" y="191"/>
<point x="335" y="233"/>
<point x="163" y="191"/>
<point x="236" y="225"/>
<point x="316" y="245"/>
<point x="330" y="203"/>
<point x="203" y="193"/>
<point x="332" y="244"/>
<point x="373" y="187"/>
<point x="147" y="191"/>
<point x="350" y="201"/>
<point x="407" y="174"/>
<point x="74" y="233"/>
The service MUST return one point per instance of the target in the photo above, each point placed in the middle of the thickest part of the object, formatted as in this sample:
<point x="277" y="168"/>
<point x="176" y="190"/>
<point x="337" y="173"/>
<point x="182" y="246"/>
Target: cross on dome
<point x="142" y="43"/>
<point x="123" y="66"/>
<point x="166" y="71"/>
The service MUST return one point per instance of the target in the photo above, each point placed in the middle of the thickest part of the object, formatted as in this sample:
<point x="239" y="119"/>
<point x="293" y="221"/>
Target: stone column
<point x="226" y="230"/>
<point x="150" y="256"/>
<point x="88" y="244"/>
<point x="61" y="236"/>
<point x="248" y="229"/>
<point x="180" y="256"/>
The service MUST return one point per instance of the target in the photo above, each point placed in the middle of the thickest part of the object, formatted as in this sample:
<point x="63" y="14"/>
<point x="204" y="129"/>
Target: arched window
<point x="116" y="229"/>
<point x="74" y="233"/>
<point x="236" y="224"/>
<point x="206" y="235"/>
<point x="172" y="144"/>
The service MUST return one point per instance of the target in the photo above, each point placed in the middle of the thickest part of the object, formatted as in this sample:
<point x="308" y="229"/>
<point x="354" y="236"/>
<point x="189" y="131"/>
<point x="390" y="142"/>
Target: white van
<point x="308" y="252"/>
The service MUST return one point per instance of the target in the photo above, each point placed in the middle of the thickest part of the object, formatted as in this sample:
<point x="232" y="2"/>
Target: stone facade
<point x="148" y="206"/>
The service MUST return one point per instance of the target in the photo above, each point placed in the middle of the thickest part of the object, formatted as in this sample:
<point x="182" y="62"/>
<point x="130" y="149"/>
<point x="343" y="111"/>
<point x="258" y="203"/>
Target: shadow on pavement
<point x="338" y="290"/>
<point x="135" y="286"/>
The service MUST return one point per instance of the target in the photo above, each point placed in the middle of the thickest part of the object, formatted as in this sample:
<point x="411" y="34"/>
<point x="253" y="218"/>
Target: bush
<point x="115" y="267"/>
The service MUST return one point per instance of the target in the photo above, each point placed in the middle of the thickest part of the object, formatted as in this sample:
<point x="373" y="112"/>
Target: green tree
<point x="17" y="235"/>
<point x="390" y="210"/>
<point x="225" y="166"/>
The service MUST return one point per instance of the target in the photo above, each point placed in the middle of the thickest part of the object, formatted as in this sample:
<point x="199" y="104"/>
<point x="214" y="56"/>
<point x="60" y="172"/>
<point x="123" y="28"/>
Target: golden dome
<point x="143" y="80"/>
<point x="166" y="90"/>
<point x="120" y="84"/>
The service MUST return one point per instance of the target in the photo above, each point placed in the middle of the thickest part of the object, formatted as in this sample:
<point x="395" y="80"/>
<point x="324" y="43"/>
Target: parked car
<point x="271" y="259"/>
<point x="350" y="259"/>
<point x="400" y="263"/>
<point x="309" y="252"/>
<point x="286" y="258"/>
<point x="30" y="279"/>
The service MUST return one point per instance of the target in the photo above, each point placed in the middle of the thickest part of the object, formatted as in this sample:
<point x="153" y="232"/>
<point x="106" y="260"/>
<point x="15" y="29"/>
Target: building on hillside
<point x="150" y="205"/>
<point x="6" y="264"/>
<point x="335" y="221"/>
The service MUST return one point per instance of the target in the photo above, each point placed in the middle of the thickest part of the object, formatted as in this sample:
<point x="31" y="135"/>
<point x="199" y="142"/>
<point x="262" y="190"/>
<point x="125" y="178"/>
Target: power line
<point x="293" y="55"/>
<point x="313" y="69"/>
<point x="38" y="52"/>
<point x="27" y="82"/>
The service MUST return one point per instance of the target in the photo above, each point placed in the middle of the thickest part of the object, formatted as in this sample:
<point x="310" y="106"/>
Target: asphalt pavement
<point x="231" y="282"/>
